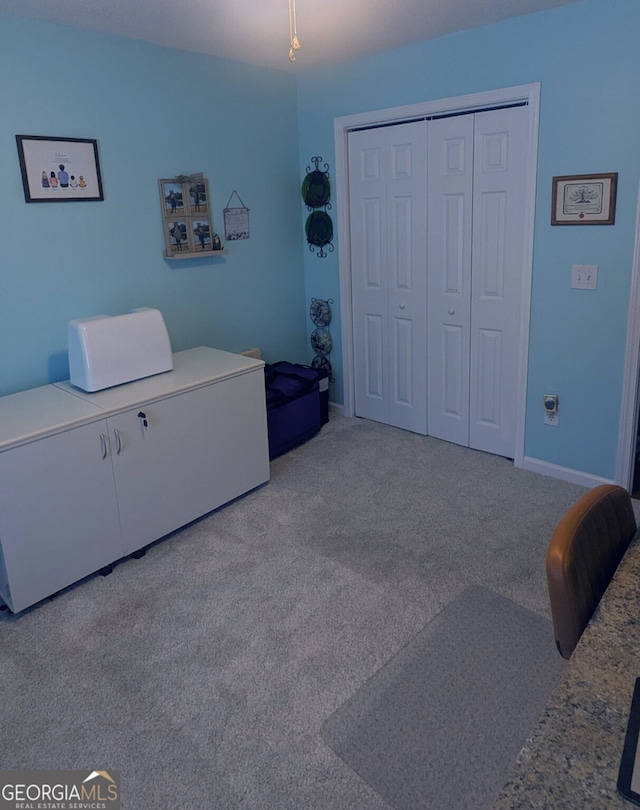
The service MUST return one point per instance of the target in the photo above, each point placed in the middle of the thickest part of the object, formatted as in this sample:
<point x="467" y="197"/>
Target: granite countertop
<point x="571" y="758"/>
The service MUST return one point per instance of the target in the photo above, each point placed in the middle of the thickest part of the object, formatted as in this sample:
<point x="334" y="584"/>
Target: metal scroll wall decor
<point x="321" y="340"/>
<point x="316" y="193"/>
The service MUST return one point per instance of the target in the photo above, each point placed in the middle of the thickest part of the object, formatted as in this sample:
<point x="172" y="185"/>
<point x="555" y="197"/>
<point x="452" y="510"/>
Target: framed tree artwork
<point x="584" y="199"/>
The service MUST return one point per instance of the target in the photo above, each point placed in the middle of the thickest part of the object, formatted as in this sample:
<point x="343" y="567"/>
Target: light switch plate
<point x="584" y="276"/>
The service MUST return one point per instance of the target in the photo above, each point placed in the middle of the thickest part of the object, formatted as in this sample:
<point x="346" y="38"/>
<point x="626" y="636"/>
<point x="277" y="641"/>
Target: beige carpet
<point x="204" y="671"/>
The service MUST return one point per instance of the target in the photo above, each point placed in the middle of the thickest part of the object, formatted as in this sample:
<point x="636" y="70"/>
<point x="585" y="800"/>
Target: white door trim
<point x="630" y="401"/>
<point x="529" y="93"/>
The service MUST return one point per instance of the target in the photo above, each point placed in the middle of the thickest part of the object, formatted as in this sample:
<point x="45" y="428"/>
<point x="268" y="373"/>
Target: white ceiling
<point x="257" y="31"/>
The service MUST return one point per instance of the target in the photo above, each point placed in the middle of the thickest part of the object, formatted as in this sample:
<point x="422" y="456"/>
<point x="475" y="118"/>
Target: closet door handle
<point x="118" y="437"/>
<point x="103" y="445"/>
<point x="452" y="311"/>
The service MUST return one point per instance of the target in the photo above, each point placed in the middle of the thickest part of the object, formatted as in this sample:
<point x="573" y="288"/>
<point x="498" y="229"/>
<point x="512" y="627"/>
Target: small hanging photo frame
<point x="236" y="220"/>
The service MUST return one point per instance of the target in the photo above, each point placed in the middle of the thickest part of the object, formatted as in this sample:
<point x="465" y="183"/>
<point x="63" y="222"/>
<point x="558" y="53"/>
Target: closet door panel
<point x="497" y="267"/>
<point x="489" y="358"/>
<point x="450" y="184"/>
<point x="387" y="186"/>
<point x="373" y="348"/>
<point x="407" y="198"/>
<point x="372" y="228"/>
<point x="369" y="279"/>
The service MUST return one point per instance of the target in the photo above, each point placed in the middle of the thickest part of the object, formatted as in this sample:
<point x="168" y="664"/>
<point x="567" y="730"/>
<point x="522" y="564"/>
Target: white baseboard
<point x="336" y="409"/>
<point x="564" y="473"/>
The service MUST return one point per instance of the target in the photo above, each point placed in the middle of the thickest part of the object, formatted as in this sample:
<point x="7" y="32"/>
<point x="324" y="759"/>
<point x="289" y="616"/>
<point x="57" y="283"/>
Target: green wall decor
<point x="316" y="193"/>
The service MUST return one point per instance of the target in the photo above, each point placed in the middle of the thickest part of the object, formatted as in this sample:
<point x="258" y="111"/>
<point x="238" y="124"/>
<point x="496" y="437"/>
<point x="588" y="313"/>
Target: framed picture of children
<point x="198" y="198"/>
<point x="201" y="234"/>
<point x="178" y="236"/>
<point x="173" y="199"/>
<point x="186" y="218"/>
<point x="59" y="169"/>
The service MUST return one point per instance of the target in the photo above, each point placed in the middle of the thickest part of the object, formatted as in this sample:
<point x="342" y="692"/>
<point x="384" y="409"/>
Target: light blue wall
<point x="156" y="113"/>
<point x="587" y="58"/>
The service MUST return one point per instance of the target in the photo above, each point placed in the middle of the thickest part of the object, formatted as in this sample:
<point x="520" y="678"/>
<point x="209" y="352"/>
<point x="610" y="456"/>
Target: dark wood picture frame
<point x="584" y="199"/>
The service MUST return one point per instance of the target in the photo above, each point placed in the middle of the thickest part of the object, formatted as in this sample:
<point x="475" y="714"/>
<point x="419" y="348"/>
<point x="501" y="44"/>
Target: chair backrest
<point x="584" y="552"/>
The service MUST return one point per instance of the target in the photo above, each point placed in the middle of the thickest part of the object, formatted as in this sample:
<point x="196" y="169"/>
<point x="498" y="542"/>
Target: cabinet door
<point x="197" y="451"/>
<point x="58" y="513"/>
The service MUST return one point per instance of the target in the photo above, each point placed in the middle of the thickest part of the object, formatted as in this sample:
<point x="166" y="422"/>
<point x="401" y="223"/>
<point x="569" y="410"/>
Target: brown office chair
<point x="584" y="552"/>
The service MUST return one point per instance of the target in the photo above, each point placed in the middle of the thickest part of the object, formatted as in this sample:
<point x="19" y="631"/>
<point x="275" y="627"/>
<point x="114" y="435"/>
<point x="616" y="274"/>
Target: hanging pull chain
<point x="293" y="31"/>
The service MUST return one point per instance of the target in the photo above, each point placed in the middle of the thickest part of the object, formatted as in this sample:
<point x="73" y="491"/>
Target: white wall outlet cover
<point x="550" y="403"/>
<point x="584" y="276"/>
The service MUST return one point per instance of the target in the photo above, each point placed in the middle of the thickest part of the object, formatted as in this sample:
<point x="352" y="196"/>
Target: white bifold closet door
<point x="476" y="178"/>
<point x="388" y="208"/>
<point x="437" y="221"/>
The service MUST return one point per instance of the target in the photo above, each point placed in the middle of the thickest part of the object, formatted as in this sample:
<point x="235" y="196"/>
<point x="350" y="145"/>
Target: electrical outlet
<point x="584" y="276"/>
<point x="550" y="405"/>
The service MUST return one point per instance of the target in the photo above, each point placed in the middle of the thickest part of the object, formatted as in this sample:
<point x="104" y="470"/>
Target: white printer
<point x="108" y="350"/>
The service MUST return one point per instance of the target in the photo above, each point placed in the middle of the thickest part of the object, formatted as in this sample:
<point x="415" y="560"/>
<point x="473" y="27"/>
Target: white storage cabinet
<point x="86" y="479"/>
<point x="197" y="451"/>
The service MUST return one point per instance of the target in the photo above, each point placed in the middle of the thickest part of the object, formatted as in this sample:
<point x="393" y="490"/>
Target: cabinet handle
<point x="116" y="433"/>
<point x="103" y="445"/>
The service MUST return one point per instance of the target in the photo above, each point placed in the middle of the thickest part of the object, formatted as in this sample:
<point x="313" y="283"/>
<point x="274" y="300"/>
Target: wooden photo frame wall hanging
<point x="186" y="213"/>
